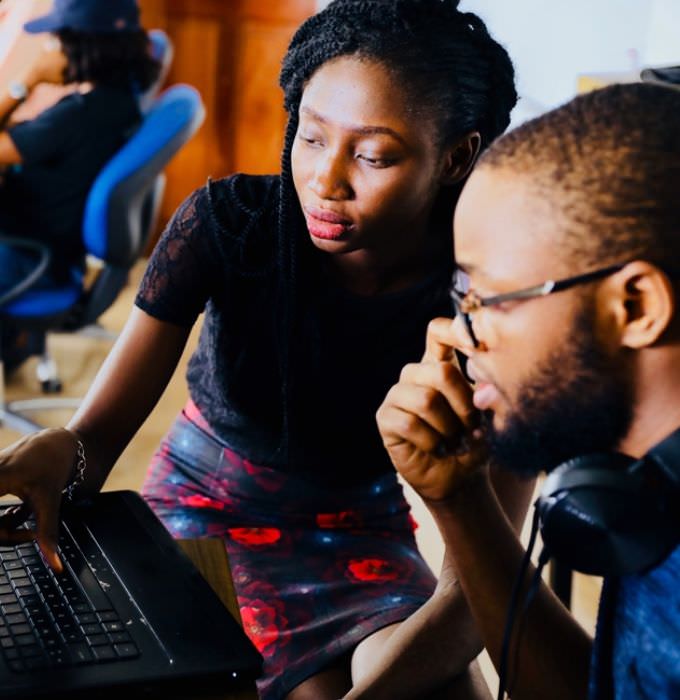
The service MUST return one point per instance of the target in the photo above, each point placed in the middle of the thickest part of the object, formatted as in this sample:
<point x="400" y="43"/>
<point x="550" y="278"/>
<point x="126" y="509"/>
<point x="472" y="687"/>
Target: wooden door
<point x="231" y="51"/>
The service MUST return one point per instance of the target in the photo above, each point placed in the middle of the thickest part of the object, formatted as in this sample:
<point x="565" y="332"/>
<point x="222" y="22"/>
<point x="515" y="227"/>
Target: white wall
<point x="552" y="42"/>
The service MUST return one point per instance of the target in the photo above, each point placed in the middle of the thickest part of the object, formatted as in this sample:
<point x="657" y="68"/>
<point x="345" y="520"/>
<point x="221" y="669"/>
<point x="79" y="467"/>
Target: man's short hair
<point x="608" y="163"/>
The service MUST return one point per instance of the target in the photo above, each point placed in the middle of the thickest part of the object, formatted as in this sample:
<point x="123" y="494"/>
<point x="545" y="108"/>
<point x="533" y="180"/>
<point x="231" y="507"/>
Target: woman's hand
<point x="36" y="469"/>
<point x="49" y="66"/>
<point x="428" y="423"/>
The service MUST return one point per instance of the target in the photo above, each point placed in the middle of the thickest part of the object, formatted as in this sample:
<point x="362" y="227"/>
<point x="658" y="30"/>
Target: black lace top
<point x="218" y="254"/>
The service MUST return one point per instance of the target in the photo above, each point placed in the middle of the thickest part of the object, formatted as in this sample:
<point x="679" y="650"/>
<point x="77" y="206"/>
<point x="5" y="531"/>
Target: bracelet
<point x="79" y="472"/>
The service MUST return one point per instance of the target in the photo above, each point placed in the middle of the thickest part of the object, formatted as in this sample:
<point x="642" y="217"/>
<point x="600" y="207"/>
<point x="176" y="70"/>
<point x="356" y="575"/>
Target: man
<point x="565" y="370"/>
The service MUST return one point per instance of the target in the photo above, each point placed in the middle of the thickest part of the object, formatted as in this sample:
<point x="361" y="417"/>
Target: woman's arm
<point x="126" y="388"/>
<point x="48" y="67"/>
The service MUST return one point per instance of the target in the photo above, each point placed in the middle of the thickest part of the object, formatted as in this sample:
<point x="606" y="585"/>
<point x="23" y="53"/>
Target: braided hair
<point x="448" y="65"/>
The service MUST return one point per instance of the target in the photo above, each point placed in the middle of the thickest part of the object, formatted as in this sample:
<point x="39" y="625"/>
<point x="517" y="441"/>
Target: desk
<point x="210" y="559"/>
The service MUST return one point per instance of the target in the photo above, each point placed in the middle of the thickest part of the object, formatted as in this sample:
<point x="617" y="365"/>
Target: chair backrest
<point x="163" y="51"/>
<point x="122" y="201"/>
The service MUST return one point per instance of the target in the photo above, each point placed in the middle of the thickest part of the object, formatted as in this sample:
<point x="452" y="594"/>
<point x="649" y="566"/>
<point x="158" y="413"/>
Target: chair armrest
<point x="43" y="259"/>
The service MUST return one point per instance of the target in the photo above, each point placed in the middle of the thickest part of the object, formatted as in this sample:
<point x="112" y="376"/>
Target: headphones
<point x="607" y="514"/>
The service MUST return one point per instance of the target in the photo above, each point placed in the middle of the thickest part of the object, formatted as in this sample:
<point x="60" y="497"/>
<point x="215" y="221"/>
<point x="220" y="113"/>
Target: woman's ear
<point x="460" y="158"/>
<point x="646" y="304"/>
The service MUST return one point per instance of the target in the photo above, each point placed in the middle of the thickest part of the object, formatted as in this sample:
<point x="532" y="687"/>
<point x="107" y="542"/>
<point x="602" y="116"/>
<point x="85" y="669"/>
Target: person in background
<point x="317" y="286"/>
<point x="589" y="364"/>
<point x="99" y="50"/>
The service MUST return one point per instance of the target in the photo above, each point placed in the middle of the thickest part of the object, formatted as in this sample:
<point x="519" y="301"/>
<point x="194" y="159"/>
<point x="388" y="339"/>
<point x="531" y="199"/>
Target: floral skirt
<point x="315" y="570"/>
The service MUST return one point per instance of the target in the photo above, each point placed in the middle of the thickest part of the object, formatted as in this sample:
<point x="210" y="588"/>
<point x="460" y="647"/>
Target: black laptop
<point x="130" y="611"/>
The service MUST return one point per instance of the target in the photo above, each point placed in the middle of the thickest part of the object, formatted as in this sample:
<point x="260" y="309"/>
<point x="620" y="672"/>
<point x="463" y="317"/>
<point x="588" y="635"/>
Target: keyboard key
<point x="108" y="615"/>
<point x="79" y="653"/>
<point x="16" y="617"/>
<point x="5" y="589"/>
<point x="119" y="637"/>
<point x="113" y="626"/>
<point x="97" y="639"/>
<point x="21" y="629"/>
<point x="16" y="666"/>
<point x="81" y="607"/>
<point x="31" y="650"/>
<point x="7" y="599"/>
<point x="91" y="629"/>
<point x="86" y="618"/>
<point x="104" y="653"/>
<point x="6" y="642"/>
<point x="25" y="639"/>
<point x="126" y="651"/>
<point x="11" y="608"/>
<point x="12" y="653"/>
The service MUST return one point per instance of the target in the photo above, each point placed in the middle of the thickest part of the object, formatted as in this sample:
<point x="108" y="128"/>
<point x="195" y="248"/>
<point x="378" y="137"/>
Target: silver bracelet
<point x="79" y="472"/>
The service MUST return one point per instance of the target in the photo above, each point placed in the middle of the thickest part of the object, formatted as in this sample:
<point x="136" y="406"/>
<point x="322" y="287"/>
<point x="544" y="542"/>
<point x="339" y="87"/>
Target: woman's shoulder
<point x="235" y="216"/>
<point x="239" y="198"/>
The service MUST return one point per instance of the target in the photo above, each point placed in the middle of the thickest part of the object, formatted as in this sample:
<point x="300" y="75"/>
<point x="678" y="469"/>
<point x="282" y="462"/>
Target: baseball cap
<point x="88" y="16"/>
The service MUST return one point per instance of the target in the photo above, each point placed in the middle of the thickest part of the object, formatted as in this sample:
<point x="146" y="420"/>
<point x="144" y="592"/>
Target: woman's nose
<point x="330" y="178"/>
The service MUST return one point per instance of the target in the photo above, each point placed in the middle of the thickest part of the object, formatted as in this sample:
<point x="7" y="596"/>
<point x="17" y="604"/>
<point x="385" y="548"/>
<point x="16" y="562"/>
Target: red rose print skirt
<point x="315" y="570"/>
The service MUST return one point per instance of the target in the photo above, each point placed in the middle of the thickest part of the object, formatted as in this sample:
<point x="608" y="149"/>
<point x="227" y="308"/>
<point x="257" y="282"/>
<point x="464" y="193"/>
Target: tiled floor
<point x="79" y="359"/>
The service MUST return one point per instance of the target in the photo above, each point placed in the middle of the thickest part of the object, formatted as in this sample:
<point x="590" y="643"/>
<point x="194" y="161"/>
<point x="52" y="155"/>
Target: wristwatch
<point x="17" y="90"/>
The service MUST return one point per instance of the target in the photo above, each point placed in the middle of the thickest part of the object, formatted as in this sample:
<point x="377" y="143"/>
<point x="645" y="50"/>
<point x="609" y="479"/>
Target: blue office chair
<point x="163" y="51"/>
<point x="120" y="212"/>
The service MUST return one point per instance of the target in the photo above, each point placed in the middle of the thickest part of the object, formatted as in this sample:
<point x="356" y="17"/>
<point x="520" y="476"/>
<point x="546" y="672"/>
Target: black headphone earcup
<point x="599" y="516"/>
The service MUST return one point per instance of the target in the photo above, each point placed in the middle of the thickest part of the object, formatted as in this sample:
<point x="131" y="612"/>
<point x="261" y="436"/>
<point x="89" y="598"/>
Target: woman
<point x="318" y="286"/>
<point x="100" y="55"/>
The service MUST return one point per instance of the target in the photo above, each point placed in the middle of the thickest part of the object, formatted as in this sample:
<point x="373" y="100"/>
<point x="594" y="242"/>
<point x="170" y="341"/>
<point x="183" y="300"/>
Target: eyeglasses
<point x="467" y="301"/>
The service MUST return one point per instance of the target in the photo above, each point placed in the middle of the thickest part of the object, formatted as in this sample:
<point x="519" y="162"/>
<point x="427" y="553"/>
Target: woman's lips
<point x="327" y="224"/>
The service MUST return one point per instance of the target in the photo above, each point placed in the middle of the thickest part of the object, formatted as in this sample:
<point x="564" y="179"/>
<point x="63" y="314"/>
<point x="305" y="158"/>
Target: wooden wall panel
<point x="231" y="51"/>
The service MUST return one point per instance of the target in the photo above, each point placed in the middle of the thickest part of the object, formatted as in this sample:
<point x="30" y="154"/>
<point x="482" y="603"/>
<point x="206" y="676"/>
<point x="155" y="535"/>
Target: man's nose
<point x="330" y="179"/>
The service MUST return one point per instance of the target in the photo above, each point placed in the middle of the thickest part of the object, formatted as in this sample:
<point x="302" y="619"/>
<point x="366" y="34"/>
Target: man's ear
<point x="460" y="158"/>
<point x="645" y="306"/>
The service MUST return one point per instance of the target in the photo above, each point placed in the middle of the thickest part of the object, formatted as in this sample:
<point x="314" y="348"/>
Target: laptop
<point x="130" y="611"/>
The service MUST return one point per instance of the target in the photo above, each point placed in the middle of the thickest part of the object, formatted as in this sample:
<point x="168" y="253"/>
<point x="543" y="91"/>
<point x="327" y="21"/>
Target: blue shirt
<point x="637" y="645"/>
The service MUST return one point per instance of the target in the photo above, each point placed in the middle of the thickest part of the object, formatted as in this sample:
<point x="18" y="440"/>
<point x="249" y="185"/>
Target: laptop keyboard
<point x="49" y="620"/>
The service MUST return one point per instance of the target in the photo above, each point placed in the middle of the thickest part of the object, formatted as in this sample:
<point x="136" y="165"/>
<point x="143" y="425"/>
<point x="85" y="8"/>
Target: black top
<point x="62" y="150"/>
<point x="217" y="253"/>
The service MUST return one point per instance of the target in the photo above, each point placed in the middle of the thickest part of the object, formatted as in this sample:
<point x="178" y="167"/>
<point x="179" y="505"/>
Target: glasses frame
<point x="466" y="304"/>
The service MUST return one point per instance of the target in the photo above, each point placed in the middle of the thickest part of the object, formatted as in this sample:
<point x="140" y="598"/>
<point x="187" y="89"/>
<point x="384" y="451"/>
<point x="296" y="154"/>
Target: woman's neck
<point x="364" y="274"/>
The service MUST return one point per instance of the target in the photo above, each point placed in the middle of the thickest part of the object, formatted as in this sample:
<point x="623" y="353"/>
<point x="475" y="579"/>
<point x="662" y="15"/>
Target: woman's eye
<point x="375" y="161"/>
<point x="311" y="140"/>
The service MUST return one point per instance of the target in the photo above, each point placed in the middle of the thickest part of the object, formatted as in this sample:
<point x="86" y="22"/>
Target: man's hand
<point x="428" y="423"/>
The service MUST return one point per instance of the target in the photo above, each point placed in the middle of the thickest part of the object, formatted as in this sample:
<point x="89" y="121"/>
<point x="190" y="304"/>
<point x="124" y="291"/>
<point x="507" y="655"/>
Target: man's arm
<point x="439" y="640"/>
<point x="430" y="407"/>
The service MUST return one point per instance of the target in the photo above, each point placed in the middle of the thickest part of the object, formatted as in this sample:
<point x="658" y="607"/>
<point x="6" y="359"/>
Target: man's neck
<point x="657" y="408"/>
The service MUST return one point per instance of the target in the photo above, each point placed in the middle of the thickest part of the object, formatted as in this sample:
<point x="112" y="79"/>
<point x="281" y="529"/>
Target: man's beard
<point x="579" y="401"/>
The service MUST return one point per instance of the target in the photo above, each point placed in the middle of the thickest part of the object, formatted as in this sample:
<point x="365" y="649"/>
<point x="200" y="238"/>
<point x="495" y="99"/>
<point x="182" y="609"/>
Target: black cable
<point x="534" y="585"/>
<point x="514" y="599"/>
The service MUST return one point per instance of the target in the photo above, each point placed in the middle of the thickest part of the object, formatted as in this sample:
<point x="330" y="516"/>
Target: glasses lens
<point x="461" y="282"/>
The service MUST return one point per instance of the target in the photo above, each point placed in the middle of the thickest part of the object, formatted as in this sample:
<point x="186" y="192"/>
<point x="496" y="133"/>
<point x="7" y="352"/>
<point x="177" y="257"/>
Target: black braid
<point x="452" y="70"/>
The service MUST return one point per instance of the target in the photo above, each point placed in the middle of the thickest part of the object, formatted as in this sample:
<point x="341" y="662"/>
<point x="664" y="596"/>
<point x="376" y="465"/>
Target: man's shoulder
<point x="646" y="653"/>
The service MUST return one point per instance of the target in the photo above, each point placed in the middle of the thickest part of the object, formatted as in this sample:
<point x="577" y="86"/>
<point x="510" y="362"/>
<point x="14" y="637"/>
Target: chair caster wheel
<point x="51" y="386"/>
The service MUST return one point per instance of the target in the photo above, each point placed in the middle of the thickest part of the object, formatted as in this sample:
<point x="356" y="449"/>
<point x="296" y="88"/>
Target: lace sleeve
<point x="177" y="281"/>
